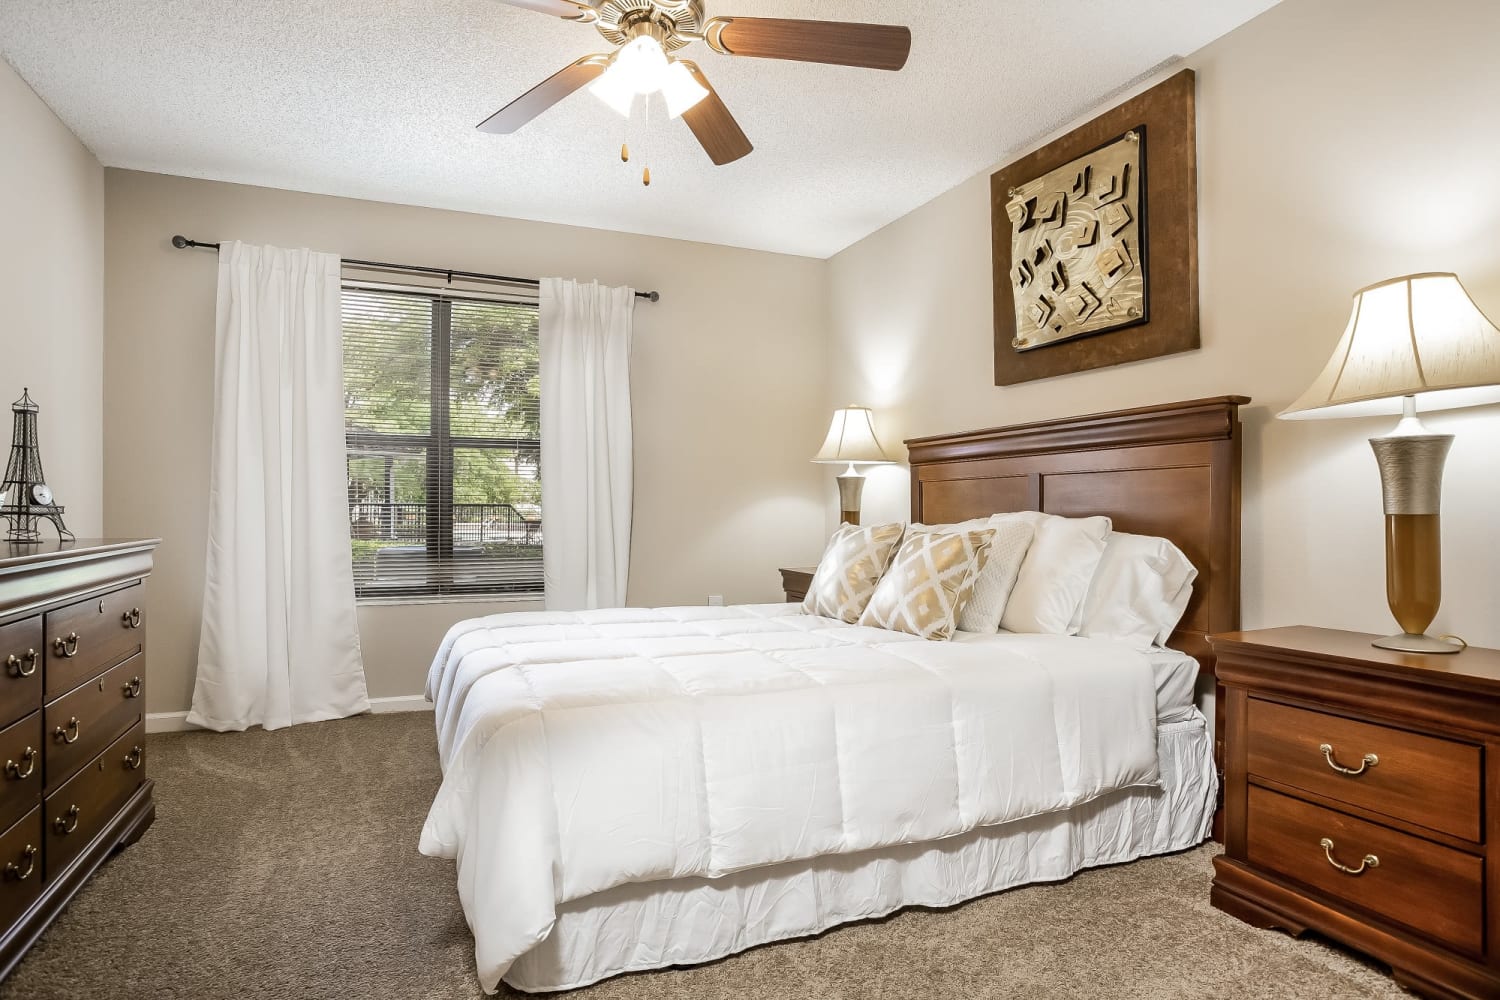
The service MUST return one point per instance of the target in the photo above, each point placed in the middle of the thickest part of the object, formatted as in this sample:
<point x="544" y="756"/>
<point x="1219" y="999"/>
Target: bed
<point x="639" y="788"/>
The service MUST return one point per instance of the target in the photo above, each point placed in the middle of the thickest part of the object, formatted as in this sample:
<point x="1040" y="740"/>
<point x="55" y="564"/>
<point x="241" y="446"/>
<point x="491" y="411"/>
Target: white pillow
<point x="1054" y="578"/>
<point x="986" y="605"/>
<point x="1140" y="591"/>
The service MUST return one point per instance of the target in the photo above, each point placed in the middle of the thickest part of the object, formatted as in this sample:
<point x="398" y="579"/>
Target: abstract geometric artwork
<point x="1094" y="241"/>
<point x="1077" y="246"/>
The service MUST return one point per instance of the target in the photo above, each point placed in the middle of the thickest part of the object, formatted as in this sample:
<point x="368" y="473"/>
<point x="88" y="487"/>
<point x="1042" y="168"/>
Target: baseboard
<point x="176" y="722"/>
<point x="167" y="722"/>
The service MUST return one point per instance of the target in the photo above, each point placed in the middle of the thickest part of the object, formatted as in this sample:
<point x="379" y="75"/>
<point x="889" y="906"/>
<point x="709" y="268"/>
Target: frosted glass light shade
<point x="681" y="90"/>
<point x="616" y="92"/>
<point x="641" y="67"/>
<point x="851" y="439"/>
<point x="641" y="64"/>
<point x="1418" y="335"/>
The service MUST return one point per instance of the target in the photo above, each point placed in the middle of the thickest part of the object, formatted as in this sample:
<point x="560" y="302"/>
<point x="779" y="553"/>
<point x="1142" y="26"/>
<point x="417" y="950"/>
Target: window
<point x="444" y="451"/>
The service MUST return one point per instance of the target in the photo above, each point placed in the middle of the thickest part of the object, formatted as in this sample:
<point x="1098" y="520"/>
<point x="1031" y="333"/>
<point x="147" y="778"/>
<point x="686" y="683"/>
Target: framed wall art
<point x="1096" y="241"/>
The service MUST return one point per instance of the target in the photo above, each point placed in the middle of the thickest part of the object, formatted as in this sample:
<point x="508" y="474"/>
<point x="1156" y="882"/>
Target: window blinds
<point x="443" y="423"/>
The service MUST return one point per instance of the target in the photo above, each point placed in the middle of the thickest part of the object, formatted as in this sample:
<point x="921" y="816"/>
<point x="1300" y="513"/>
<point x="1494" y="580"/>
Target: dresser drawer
<point x="21" y="781"/>
<point x="1426" y="780"/>
<point x="78" y="810"/>
<point x="20" y="866"/>
<point x="84" y="638"/>
<point x="1432" y="889"/>
<point x="21" y="659"/>
<point x="83" y="722"/>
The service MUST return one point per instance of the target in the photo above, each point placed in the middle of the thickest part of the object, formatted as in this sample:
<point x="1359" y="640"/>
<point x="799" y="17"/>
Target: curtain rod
<point x="182" y="243"/>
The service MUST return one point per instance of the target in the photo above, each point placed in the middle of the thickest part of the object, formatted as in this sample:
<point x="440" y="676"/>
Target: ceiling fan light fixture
<point x="641" y="67"/>
<point x="647" y="32"/>
<point x="680" y="90"/>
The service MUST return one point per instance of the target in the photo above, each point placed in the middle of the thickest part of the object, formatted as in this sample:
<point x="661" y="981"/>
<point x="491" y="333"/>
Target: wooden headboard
<point x="1171" y="470"/>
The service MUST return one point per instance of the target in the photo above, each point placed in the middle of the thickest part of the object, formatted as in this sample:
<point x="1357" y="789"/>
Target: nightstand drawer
<point x="1432" y="889"/>
<point x="1426" y="780"/>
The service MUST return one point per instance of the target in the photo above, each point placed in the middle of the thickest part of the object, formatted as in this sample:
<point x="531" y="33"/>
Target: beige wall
<point x="1339" y="142"/>
<point x="727" y="386"/>
<point x="52" y="284"/>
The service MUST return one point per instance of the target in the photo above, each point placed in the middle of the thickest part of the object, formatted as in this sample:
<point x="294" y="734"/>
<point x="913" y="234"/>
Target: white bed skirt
<point x="686" y="921"/>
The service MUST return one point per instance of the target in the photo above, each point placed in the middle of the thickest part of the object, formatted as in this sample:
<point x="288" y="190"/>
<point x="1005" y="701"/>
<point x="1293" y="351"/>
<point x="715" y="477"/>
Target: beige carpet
<point x="284" y="865"/>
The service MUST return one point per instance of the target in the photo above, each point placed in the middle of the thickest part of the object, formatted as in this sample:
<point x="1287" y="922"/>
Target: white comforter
<point x="583" y="751"/>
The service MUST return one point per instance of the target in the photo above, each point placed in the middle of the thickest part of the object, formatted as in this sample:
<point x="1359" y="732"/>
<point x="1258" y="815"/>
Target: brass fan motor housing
<point x="674" y="23"/>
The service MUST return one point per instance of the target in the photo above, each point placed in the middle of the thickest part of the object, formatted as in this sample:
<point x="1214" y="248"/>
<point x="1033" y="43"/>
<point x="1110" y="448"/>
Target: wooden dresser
<point x="1362" y="800"/>
<point x="72" y="723"/>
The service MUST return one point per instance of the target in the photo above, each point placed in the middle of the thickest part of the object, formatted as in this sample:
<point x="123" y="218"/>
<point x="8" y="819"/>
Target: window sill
<point x="386" y="602"/>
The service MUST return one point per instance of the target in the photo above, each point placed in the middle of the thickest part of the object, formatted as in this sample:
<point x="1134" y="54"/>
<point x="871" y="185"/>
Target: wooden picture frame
<point x="1167" y="112"/>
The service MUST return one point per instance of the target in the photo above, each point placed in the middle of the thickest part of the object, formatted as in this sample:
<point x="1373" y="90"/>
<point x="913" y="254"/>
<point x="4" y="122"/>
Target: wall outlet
<point x="716" y="600"/>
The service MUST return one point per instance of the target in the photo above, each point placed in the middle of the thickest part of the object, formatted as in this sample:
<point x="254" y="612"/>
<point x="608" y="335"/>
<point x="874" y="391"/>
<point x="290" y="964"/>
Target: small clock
<point x="42" y="494"/>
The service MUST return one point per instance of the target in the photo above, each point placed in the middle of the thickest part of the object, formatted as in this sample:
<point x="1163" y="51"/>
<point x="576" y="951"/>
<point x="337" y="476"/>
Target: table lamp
<point x="851" y="440"/>
<point x="1418" y="338"/>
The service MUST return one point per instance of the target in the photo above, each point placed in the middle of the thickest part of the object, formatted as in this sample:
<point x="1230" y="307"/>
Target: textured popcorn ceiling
<point x="379" y="100"/>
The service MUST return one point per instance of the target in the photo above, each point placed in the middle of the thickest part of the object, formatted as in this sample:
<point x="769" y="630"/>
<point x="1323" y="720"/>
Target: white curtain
<point x="586" y="443"/>
<point x="280" y="641"/>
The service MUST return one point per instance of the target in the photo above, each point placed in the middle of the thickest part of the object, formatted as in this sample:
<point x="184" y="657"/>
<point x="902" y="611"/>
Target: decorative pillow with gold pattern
<point x="928" y="583"/>
<point x="849" y="570"/>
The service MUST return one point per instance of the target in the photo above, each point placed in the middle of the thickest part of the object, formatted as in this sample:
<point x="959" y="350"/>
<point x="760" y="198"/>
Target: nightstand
<point x="796" y="581"/>
<point x="1362" y="800"/>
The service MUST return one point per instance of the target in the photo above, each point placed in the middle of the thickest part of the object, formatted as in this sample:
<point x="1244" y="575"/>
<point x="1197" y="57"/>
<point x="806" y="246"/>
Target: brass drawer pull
<point x="21" y="666"/>
<point x="1370" y="860"/>
<point x="133" y="758"/>
<point x="69" y="823"/>
<point x="132" y="687"/>
<point x="1369" y="761"/>
<point x="13" y="770"/>
<point x="131" y="618"/>
<point x="13" y="871"/>
<point x="61" y="735"/>
<point x="66" y="647"/>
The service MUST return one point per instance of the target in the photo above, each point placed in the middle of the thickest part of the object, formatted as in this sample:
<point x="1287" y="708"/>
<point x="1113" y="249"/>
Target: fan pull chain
<point x="644" y="102"/>
<point x="625" y="136"/>
<point x="645" y="131"/>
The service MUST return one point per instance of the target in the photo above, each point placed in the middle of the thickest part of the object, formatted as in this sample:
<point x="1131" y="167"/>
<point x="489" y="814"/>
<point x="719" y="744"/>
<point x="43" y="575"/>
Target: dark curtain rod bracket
<point x="182" y="243"/>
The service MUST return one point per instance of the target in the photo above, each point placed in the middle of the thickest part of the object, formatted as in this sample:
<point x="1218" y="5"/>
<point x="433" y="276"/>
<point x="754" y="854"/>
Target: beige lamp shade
<point x="851" y="439"/>
<point x="1419" y="335"/>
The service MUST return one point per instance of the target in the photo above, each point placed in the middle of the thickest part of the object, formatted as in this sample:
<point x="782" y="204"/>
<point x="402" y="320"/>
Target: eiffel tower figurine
<point x="25" y="497"/>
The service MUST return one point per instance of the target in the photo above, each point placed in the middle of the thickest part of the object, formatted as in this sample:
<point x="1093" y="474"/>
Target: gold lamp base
<point x="1411" y="478"/>
<point x="1408" y="643"/>
<point x="851" y="485"/>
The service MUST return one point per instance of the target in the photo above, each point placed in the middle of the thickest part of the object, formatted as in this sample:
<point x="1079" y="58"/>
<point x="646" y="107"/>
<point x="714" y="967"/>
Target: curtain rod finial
<point x="654" y="296"/>
<point x="179" y="242"/>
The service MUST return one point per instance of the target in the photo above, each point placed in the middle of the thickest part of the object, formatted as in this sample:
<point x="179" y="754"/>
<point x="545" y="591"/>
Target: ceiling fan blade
<point x="572" y="10"/>
<point x="873" y="46"/>
<point x="545" y="94"/>
<point x="717" y="131"/>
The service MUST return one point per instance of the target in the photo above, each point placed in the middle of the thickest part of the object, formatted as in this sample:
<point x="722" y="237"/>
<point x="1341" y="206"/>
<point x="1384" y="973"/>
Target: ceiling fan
<point x="646" y="32"/>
